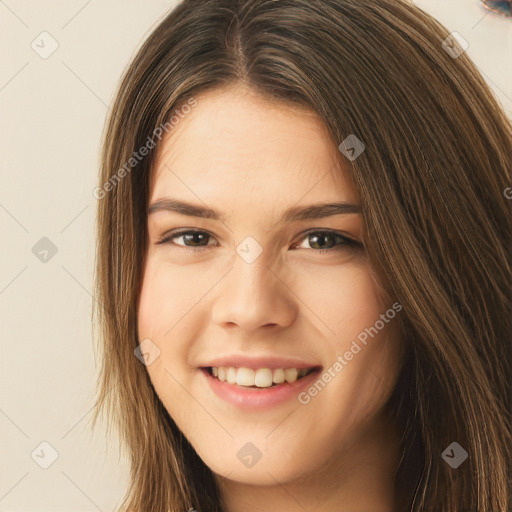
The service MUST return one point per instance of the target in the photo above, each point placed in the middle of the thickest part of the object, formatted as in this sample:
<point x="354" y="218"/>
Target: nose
<point x="252" y="295"/>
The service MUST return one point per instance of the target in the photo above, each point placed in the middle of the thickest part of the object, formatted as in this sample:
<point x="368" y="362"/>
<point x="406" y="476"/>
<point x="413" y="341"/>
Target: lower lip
<point x="258" y="398"/>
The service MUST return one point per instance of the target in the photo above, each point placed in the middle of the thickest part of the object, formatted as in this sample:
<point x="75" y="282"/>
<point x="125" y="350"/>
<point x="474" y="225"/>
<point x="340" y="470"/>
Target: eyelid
<point x="167" y="237"/>
<point x="330" y="231"/>
<point x="349" y="242"/>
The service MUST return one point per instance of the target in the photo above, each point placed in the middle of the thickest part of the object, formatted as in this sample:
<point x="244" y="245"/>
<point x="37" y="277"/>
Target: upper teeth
<point x="261" y="378"/>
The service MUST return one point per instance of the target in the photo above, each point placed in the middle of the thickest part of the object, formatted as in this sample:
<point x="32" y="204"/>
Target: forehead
<point x="234" y="141"/>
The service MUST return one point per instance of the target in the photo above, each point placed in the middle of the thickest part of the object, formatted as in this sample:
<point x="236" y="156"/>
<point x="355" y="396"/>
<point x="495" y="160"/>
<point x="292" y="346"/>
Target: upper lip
<point x="272" y="362"/>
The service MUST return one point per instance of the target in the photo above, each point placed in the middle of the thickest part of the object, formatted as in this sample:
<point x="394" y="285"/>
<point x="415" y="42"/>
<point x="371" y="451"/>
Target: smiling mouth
<point x="260" y="378"/>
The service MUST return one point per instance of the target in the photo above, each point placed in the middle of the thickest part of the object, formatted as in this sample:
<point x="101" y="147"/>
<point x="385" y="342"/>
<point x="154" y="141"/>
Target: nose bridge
<point x="251" y="294"/>
<point x="251" y="266"/>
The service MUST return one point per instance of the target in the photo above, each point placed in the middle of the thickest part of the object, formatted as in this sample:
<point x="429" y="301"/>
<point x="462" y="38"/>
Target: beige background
<point x="53" y="111"/>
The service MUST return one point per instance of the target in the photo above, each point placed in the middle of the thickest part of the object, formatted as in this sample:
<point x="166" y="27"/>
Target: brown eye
<point x="191" y="239"/>
<point x="320" y="241"/>
<point x="324" y="241"/>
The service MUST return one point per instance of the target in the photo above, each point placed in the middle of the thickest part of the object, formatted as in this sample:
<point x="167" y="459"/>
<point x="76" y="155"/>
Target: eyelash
<point x="347" y="243"/>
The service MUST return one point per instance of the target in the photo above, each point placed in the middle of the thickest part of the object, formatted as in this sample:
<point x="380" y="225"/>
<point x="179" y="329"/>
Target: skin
<point x="251" y="158"/>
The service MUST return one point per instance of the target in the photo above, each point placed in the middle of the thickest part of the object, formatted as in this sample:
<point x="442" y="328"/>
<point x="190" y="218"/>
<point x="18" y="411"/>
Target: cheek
<point x="169" y="295"/>
<point x="167" y="315"/>
<point x="346" y="299"/>
<point x="365" y="321"/>
<point x="165" y="298"/>
<point x="363" y="330"/>
<point x="361" y="303"/>
<point x="172" y="310"/>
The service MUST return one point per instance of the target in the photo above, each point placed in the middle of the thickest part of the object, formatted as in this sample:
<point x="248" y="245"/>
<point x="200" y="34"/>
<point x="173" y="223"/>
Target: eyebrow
<point x="314" y="211"/>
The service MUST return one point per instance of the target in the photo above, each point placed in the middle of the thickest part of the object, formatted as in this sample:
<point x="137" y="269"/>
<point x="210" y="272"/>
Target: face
<point x="251" y="286"/>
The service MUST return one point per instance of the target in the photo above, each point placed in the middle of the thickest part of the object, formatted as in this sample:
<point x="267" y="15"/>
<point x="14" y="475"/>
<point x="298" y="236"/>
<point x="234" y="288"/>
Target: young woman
<point x="303" y="264"/>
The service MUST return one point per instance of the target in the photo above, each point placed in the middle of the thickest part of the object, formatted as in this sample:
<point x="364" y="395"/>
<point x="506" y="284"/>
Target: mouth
<point x="260" y="378"/>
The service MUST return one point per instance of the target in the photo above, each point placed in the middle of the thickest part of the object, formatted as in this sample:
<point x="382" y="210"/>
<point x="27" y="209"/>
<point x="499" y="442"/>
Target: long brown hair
<point x="431" y="181"/>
